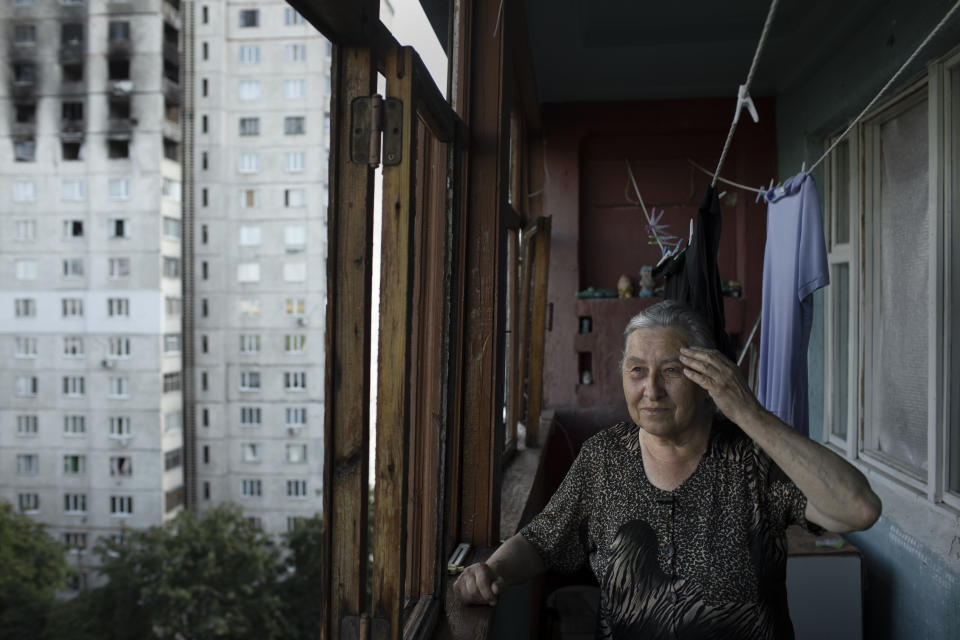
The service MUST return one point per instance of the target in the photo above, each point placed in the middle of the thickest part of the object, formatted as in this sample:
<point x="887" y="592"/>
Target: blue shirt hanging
<point x="794" y="266"/>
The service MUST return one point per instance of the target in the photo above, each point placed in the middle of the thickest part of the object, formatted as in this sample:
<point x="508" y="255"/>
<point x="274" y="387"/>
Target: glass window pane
<point x="900" y="286"/>
<point x="841" y="228"/>
<point x="840" y="279"/>
<point x="953" y="314"/>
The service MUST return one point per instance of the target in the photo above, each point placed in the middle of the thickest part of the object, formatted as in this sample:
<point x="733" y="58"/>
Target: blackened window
<point x="118" y="149"/>
<point x="72" y="72"/>
<point x="118" y="68"/>
<point x="25" y="112"/>
<point x="119" y="31"/>
<point x="24" y="73"/>
<point x="71" y="33"/>
<point x="72" y="111"/>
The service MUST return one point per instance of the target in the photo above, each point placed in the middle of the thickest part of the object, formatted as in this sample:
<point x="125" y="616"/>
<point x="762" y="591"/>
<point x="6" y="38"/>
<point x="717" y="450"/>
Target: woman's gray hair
<point x="671" y="314"/>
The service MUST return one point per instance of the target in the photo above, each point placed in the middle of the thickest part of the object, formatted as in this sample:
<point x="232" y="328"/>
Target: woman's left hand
<point x="722" y="379"/>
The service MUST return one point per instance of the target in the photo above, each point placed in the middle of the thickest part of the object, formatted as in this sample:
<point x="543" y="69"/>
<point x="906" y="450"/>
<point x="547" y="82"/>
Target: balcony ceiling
<point x="640" y="49"/>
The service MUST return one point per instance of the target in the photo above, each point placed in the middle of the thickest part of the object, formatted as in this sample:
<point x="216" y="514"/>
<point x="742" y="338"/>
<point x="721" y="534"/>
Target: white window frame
<point x="25" y="230"/>
<point x="25" y="347"/>
<point x="74" y="504"/>
<point x="119" y="428"/>
<point x="248" y="272"/>
<point x="74" y="426"/>
<point x="295" y="381"/>
<point x="248" y="54"/>
<point x="296" y="453"/>
<point x="249" y="235"/>
<point x="72" y="307"/>
<point x="294" y="161"/>
<point x="295" y="235"/>
<point x="74" y="464"/>
<point x="297" y="489"/>
<point x="251" y="452"/>
<point x="25" y="269"/>
<point x="250" y="381"/>
<point x="118" y="387"/>
<point x="118" y="268"/>
<point x="118" y="347"/>
<point x="72" y="190"/>
<point x="73" y="347"/>
<point x="248" y="162"/>
<point x="121" y="506"/>
<point x="295" y="89"/>
<point x="28" y="425"/>
<point x="295" y="52"/>
<point x="119" y="188"/>
<point x="295" y="343"/>
<point x="74" y="386"/>
<point x="249" y="90"/>
<point x="249" y="343"/>
<point x="251" y="487"/>
<point x="26" y="386"/>
<point x="118" y="307"/>
<point x="28" y="464"/>
<point x="121" y="466"/>
<point x="24" y="191"/>
<point x="251" y="416"/>
<point x="936" y="88"/>
<point x="25" y="307"/>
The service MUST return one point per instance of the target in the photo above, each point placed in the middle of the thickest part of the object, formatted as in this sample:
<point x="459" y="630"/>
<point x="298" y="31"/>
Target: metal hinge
<point x="363" y="627"/>
<point x="370" y="118"/>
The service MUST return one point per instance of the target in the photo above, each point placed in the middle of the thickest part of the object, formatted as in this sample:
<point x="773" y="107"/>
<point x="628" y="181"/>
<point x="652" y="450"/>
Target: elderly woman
<point x="682" y="513"/>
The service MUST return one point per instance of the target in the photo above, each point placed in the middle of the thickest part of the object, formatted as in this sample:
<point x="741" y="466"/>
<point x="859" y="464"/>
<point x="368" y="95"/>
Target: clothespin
<point x="690" y="239"/>
<point x="744" y="99"/>
<point x="803" y="167"/>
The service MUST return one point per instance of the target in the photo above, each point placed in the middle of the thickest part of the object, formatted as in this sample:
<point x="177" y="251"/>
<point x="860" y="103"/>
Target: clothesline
<point x="743" y="95"/>
<point x="883" y="90"/>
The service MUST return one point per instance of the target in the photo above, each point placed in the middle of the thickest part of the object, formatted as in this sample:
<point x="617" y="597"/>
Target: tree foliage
<point x="32" y="567"/>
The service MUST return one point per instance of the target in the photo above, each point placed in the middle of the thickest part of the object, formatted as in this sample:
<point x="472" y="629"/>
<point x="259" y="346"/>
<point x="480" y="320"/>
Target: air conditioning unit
<point x="108" y="364"/>
<point x="302" y="322"/>
<point x="294" y="429"/>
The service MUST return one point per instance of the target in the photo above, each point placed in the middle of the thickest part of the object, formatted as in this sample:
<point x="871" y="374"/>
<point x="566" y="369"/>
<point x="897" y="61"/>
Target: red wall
<point x="598" y="235"/>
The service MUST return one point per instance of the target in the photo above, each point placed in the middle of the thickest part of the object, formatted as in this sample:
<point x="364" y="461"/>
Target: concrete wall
<point x="912" y="555"/>
<point x="597" y="235"/>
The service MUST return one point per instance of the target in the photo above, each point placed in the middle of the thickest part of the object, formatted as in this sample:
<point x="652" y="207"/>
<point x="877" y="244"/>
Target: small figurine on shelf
<point x="646" y="282"/>
<point x="625" y="286"/>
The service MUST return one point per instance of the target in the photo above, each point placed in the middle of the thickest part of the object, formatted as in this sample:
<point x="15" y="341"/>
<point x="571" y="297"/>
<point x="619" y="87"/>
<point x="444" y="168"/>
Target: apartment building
<point x="261" y="128"/>
<point x="90" y="259"/>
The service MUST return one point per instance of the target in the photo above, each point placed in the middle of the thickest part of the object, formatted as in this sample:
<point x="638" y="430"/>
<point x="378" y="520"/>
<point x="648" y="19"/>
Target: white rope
<point x="724" y="180"/>
<point x="890" y="82"/>
<point x="745" y="89"/>
<point x="643" y="207"/>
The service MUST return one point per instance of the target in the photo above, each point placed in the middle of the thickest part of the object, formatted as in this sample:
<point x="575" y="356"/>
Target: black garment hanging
<point x="692" y="277"/>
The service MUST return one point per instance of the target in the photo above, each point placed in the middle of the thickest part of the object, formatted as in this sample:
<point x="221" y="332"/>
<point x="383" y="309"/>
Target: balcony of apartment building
<point x="72" y="121"/>
<point x="25" y="80"/>
<point x="574" y="113"/>
<point x="24" y="119"/>
<point x="119" y="82"/>
<point x="120" y="123"/>
<point x="72" y="45"/>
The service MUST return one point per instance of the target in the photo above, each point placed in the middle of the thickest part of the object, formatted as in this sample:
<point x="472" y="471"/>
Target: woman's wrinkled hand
<point x="721" y="378"/>
<point x="478" y="584"/>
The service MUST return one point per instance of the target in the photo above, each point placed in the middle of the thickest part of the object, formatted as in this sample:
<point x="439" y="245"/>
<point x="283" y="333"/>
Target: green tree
<point x="32" y="567"/>
<point x="302" y="588"/>
<point x="213" y="576"/>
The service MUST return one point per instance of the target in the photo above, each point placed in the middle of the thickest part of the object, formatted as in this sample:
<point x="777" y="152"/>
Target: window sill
<point x="459" y="621"/>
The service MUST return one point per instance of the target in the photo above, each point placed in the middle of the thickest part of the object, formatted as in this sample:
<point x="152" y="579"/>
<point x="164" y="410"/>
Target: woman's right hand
<point x="478" y="584"/>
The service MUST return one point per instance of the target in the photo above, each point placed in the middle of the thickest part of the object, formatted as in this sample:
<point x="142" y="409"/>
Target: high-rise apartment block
<point x="261" y="98"/>
<point x="90" y="256"/>
<point x="103" y="177"/>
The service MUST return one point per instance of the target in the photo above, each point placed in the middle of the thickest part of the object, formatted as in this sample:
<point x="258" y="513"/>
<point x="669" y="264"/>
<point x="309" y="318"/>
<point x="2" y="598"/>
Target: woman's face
<point x="661" y="400"/>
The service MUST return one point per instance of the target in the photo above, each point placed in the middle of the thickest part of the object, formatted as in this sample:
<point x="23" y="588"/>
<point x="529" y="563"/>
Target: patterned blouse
<point x="706" y="560"/>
